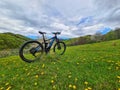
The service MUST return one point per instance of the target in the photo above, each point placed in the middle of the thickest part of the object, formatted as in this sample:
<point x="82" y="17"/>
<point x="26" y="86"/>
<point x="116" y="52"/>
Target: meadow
<point x="84" y="67"/>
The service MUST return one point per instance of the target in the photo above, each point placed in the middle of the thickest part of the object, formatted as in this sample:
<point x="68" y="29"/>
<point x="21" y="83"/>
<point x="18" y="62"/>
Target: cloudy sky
<point x="71" y="17"/>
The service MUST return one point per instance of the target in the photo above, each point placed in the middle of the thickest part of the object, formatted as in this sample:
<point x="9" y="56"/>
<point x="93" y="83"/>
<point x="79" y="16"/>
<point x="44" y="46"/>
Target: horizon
<point x="71" y="18"/>
<point x="50" y="35"/>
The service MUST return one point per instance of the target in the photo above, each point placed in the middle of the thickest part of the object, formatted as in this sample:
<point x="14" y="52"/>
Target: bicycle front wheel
<point x="59" y="48"/>
<point x="31" y="51"/>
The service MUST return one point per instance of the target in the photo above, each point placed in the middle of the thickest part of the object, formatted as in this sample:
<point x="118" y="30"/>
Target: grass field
<point x="85" y="67"/>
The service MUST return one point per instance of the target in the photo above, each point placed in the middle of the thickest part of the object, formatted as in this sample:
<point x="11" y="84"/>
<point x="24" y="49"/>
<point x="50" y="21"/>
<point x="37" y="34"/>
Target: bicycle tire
<point x="21" y="51"/>
<point x="55" y="48"/>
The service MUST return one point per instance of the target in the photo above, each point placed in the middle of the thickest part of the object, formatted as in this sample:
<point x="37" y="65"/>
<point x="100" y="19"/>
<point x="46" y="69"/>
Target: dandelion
<point x="35" y="83"/>
<point x="76" y="79"/>
<point x="1" y="88"/>
<point x="86" y="83"/>
<point x="43" y="66"/>
<point x="74" y="87"/>
<point x="8" y="88"/>
<point x="118" y="88"/>
<point x="28" y="73"/>
<point x="17" y="75"/>
<point x="86" y="88"/>
<point x="54" y="87"/>
<point x="57" y="68"/>
<point x="3" y="75"/>
<point x="117" y="68"/>
<point x="54" y="63"/>
<point x="36" y="76"/>
<point x="52" y="81"/>
<point x="89" y="88"/>
<point x="69" y="76"/>
<point x="118" y="77"/>
<point x="6" y="84"/>
<point x="70" y="86"/>
<point x="22" y="78"/>
<point x="42" y="73"/>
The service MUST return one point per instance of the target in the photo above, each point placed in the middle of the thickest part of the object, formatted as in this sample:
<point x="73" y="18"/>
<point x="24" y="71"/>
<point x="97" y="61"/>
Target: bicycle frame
<point x="46" y="47"/>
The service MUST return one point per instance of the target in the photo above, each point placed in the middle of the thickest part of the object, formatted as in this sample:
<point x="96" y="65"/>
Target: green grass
<point x="85" y="67"/>
<point x="11" y="41"/>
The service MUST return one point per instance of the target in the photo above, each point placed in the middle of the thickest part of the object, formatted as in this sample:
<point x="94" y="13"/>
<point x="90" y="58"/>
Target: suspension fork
<point x="57" y="40"/>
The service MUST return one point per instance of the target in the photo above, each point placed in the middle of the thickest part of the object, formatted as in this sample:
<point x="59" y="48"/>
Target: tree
<point x="97" y="37"/>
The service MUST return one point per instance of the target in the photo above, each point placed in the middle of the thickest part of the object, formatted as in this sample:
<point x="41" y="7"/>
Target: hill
<point x="10" y="40"/>
<point x="85" y="67"/>
<point x="98" y="37"/>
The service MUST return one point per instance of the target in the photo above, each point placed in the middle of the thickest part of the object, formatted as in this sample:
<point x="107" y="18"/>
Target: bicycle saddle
<point x="42" y="32"/>
<point x="56" y="33"/>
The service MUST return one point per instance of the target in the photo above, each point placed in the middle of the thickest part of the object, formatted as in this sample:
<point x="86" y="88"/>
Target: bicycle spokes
<point x="32" y="51"/>
<point x="59" y="48"/>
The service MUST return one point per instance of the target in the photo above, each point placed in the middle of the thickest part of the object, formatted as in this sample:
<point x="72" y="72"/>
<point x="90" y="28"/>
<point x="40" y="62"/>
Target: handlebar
<point x="56" y="33"/>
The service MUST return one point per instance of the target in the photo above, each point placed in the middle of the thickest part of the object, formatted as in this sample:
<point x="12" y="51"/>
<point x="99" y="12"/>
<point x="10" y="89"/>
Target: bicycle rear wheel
<point x="59" y="48"/>
<point x="31" y="51"/>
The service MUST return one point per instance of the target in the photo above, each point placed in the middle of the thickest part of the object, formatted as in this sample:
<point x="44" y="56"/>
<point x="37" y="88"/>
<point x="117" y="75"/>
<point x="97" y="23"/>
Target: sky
<point x="73" y="18"/>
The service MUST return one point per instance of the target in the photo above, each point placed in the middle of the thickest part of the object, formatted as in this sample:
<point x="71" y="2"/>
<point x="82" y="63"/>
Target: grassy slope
<point x="9" y="40"/>
<point x="95" y="66"/>
<point x="70" y="41"/>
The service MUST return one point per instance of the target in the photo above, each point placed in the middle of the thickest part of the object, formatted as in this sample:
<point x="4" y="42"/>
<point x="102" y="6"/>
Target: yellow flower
<point x="74" y="87"/>
<point x="76" y="79"/>
<point x="35" y="83"/>
<point x="118" y="77"/>
<point x="36" y="76"/>
<point x="70" y="86"/>
<point x="8" y="88"/>
<point x="54" y="63"/>
<point x="52" y="81"/>
<point x="86" y="89"/>
<point x="89" y="88"/>
<point x="1" y="88"/>
<point x="69" y="76"/>
<point x="3" y="75"/>
<point x="28" y="73"/>
<point x="86" y="83"/>
<point x="117" y="68"/>
<point x="42" y="73"/>
<point x="43" y="66"/>
<point x="118" y="88"/>
<point x="57" y="68"/>
<point x="6" y="84"/>
<point x="54" y="87"/>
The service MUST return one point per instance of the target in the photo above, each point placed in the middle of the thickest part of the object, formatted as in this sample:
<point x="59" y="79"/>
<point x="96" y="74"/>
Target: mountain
<point x="10" y="40"/>
<point x="98" y="37"/>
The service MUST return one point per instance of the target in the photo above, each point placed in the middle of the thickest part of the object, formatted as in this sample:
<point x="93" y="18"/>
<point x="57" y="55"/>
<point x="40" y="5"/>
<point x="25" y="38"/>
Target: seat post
<point x="43" y="38"/>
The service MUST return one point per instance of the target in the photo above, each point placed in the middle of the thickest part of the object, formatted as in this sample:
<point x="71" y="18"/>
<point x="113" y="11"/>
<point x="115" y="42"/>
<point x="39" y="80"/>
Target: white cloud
<point x="59" y="26"/>
<point x="92" y="29"/>
<point x="72" y="18"/>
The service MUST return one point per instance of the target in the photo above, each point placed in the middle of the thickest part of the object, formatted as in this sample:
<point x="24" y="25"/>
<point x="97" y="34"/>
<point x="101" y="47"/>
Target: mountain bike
<point x="32" y="50"/>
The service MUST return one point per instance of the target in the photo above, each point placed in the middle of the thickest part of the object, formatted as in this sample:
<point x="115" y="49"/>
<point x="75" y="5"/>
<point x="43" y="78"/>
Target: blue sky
<point x="71" y="18"/>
